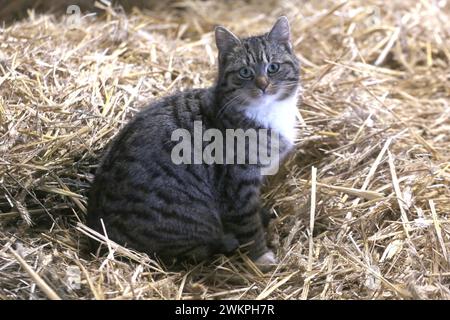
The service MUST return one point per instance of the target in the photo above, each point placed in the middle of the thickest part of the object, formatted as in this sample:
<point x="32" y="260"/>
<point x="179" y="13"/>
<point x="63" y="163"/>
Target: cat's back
<point x="139" y="157"/>
<point x="151" y="129"/>
<point x="176" y="111"/>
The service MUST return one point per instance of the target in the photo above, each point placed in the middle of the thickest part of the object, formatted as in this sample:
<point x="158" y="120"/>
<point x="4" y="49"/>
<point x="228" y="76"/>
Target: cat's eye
<point x="245" y="73"/>
<point x="273" y="67"/>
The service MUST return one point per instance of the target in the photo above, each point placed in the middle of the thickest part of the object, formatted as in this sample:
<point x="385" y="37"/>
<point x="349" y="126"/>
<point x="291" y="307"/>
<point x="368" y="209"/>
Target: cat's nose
<point x="262" y="82"/>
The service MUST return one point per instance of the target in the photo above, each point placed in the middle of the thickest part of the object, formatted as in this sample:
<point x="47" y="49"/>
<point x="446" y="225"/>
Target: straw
<point x="373" y="223"/>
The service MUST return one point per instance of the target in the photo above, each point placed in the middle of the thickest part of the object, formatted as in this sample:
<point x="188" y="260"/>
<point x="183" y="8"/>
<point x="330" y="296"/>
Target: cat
<point x="179" y="212"/>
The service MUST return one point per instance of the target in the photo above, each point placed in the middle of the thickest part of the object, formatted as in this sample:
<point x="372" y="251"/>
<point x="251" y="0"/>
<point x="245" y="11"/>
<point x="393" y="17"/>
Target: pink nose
<point x="262" y="82"/>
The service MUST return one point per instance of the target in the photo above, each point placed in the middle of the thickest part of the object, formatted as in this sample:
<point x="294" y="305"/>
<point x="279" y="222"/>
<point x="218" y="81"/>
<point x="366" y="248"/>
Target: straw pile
<point x="363" y="205"/>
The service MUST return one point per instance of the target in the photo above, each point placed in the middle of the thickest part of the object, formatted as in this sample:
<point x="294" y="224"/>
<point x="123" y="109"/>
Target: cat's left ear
<point x="280" y="31"/>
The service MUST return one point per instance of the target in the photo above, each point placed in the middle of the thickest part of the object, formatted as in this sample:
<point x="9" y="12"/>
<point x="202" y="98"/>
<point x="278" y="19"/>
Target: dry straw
<point x="376" y="78"/>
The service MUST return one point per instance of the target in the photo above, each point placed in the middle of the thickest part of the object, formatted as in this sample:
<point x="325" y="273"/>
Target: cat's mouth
<point x="263" y="99"/>
<point x="259" y="93"/>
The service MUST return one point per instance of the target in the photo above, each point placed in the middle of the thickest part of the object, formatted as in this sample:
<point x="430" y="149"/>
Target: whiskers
<point x="229" y="104"/>
<point x="254" y="93"/>
<point x="284" y="90"/>
<point x="285" y="85"/>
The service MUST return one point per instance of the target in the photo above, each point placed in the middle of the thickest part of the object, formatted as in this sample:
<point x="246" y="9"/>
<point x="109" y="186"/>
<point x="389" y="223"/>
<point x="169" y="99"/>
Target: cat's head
<point x="257" y="68"/>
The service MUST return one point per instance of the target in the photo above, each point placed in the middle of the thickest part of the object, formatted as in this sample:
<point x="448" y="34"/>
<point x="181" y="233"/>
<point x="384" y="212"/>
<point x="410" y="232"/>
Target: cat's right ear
<point x="225" y="40"/>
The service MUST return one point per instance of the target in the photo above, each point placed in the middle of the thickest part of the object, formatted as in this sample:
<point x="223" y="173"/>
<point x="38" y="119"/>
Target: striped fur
<point x="195" y="211"/>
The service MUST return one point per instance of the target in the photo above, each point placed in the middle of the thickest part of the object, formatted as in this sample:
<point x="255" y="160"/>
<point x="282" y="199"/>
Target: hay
<point x="377" y="120"/>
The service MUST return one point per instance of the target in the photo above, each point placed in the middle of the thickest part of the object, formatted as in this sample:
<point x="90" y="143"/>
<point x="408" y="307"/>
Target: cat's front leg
<point x="246" y="224"/>
<point x="266" y="215"/>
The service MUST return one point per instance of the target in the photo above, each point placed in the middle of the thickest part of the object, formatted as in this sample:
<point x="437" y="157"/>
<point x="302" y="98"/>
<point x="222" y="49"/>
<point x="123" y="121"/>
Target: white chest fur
<point x="280" y="116"/>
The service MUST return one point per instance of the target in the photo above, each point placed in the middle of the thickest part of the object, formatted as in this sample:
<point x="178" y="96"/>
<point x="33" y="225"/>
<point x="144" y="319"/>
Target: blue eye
<point x="273" y="67"/>
<point x="245" y="73"/>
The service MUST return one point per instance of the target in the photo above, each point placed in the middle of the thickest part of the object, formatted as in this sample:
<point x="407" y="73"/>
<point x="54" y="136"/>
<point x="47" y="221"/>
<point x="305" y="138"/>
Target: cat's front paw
<point x="267" y="261"/>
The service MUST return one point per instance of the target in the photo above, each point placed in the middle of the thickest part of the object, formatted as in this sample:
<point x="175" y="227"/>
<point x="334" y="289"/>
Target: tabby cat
<point x="193" y="211"/>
